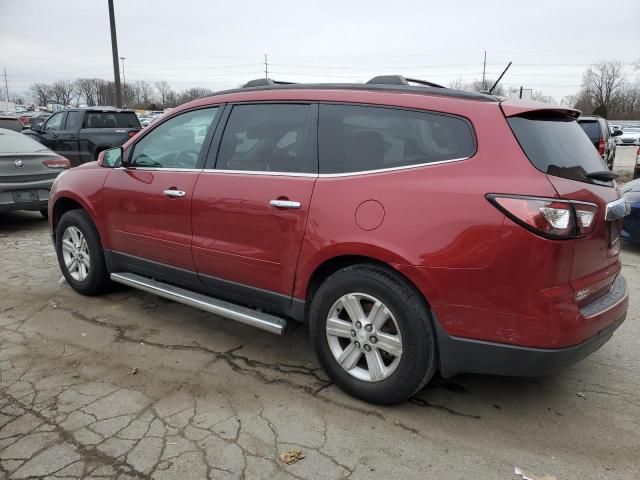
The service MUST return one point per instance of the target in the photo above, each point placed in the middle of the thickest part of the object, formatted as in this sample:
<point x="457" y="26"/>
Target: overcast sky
<point x="221" y="44"/>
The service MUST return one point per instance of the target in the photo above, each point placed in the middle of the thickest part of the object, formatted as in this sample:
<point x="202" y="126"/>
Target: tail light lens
<point x="132" y="134"/>
<point x="548" y="217"/>
<point x="60" y="163"/>
<point x="638" y="156"/>
<point x="601" y="146"/>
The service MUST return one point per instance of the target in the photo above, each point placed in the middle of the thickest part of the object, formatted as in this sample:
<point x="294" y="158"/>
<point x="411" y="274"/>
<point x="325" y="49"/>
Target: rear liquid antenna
<point x="500" y="77"/>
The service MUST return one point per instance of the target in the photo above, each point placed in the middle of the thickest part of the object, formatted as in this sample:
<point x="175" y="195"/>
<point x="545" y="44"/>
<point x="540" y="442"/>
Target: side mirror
<point x="617" y="133"/>
<point x="110" y="158"/>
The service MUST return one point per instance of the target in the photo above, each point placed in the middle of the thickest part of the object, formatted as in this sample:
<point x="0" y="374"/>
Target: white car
<point x="630" y="136"/>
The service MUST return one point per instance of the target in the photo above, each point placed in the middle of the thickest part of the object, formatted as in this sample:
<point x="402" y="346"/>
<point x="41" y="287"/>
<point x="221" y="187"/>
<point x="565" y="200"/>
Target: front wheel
<point x="80" y="253"/>
<point x="372" y="333"/>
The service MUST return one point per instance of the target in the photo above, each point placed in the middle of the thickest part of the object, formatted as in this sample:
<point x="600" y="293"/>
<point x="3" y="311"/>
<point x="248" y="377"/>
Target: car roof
<point x="99" y="109"/>
<point x="7" y="117"/>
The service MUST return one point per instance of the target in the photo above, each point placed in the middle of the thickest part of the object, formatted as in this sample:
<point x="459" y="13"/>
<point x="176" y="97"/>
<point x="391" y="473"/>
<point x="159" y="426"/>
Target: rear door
<point x="65" y="141"/>
<point x="250" y="211"/>
<point x="148" y="210"/>
<point x="555" y="145"/>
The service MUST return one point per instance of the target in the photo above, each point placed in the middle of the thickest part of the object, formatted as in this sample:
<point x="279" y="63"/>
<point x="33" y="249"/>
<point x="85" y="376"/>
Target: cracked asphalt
<point x="130" y="386"/>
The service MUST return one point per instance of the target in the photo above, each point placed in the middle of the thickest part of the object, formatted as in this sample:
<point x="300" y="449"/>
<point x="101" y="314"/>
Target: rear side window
<point x="73" y="120"/>
<point x="361" y="138"/>
<point x="557" y="146"/>
<point x="11" y="124"/>
<point x="591" y="128"/>
<point x="269" y="137"/>
<point x="111" y="120"/>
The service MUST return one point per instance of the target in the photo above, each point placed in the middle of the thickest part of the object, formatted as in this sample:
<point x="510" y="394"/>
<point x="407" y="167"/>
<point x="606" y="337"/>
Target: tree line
<point x="606" y="91"/>
<point x="96" y="91"/>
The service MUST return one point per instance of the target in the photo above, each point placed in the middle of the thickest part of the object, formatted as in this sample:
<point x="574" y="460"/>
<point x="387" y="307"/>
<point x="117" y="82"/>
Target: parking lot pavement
<point x="132" y="386"/>
<point x="625" y="160"/>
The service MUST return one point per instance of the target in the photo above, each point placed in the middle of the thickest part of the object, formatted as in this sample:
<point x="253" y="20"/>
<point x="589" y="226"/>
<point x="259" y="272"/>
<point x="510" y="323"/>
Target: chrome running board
<point x="241" y="314"/>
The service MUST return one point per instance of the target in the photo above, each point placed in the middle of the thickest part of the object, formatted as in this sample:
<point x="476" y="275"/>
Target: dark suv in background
<point x="599" y="132"/>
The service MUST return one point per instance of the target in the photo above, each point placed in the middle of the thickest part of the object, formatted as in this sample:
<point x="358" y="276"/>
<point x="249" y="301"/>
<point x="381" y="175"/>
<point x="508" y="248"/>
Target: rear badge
<point x="582" y="294"/>
<point x="18" y="163"/>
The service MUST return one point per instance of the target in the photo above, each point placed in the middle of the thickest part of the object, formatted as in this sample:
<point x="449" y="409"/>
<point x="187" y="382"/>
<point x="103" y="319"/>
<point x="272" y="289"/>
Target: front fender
<point x="82" y="185"/>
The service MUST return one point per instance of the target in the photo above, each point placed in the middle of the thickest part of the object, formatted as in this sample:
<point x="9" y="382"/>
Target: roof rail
<point x="261" y="82"/>
<point x="400" y="80"/>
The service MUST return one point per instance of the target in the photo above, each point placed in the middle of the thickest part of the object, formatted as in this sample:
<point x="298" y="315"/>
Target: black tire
<point x="97" y="280"/>
<point x="45" y="213"/>
<point x="417" y="363"/>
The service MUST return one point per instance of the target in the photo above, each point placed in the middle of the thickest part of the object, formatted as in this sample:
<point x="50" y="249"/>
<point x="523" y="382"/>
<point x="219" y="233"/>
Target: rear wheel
<point x="80" y="253"/>
<point x="372" y="333"/>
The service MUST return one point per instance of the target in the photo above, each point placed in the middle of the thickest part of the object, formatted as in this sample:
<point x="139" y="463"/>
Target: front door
<point x="250" y="212"/>
<point x="149" y="201"/>
<point x="48" y="136"/>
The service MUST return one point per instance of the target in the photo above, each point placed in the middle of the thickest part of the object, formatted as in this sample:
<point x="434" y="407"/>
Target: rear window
<point x="111" y="120"/>
<point x="591" y="128"/>
<point x="11" y="123"/>
<point x="362" y="138"/>
<point x="19" y="143"/>
<point x="557" y="146"/>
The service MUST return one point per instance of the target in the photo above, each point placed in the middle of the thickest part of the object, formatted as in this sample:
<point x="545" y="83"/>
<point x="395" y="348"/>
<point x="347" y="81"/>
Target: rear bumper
<point x="41" y="188"/>
<point x="464" y="355"/>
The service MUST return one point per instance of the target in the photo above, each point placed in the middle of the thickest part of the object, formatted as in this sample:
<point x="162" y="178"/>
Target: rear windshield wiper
<point x="604" y="175"/>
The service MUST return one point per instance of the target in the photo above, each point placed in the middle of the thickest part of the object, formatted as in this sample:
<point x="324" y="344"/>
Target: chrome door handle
<point x="284" y="204"/>
<point x="175" y="193"/>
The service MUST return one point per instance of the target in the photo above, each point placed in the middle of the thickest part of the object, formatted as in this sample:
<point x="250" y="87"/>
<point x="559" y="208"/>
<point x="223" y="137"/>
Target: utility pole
<point x="114" y="52"/>
<point x="484" y="68"/>
<point x="266" y="67"/>
<point x="6" y="86"/>
<point x="124" y="82"/>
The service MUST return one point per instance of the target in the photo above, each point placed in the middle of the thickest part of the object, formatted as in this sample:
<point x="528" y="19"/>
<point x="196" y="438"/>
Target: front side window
<point x="268" y="137"/>
<point x="356" y="138"/>
<point x="175" y="143"/>
<point x="55" y="122"/>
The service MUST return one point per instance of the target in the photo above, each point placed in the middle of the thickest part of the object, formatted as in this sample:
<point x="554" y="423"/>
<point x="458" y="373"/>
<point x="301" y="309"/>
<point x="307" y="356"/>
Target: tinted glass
<point x="111" y="120"/>
<point x="19" y="143"/>
<point x="359" y="138"/>
<point x="175" y="143"/>
<point x="557" y="146"/>
<point x="73" y="120"/>
<point x="268" y="137"/>
<point x="591" y="128"/>
<point x="11" y="123"/>
<point x="55" y="122"/>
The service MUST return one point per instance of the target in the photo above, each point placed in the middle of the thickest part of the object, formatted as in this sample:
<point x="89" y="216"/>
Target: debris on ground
<point x="530" y="476"/>
<point x="580" y="394"/>
<point x="291" y="456"/>
<point x="164" y="465"/>
<point x="134" y="371"/>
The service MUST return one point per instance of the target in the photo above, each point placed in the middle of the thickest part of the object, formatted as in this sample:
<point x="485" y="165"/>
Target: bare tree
<point x="86" y="89"/>
<point x="164" y="89"/>
<point x="145" y="92"/>
<point x="459" y="84"/>
<point x="41" y="93"/>
<point x="540" y="97"/>
<point x="601" y="82"/>
<point x="192" y="94"/>
<point x="63" y="92"/>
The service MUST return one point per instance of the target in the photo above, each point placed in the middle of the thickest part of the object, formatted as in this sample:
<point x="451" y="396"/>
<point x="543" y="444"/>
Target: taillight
<point x="548" y="217"/>
<point x="132" y="134"/>
<point x="601" y="146"/>
<point x="59" y="163"/>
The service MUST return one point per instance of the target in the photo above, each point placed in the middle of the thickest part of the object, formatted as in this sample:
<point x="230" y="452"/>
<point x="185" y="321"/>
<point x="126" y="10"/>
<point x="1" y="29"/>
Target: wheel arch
<point x="66" y="202"/>
<point x="329" y="266"/>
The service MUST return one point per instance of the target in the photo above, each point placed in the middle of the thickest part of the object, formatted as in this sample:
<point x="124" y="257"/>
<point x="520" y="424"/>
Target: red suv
<point x="415" y="228"/>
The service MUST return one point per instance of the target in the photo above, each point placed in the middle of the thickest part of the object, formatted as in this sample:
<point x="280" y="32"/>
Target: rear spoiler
<point x="513" y="108"/>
